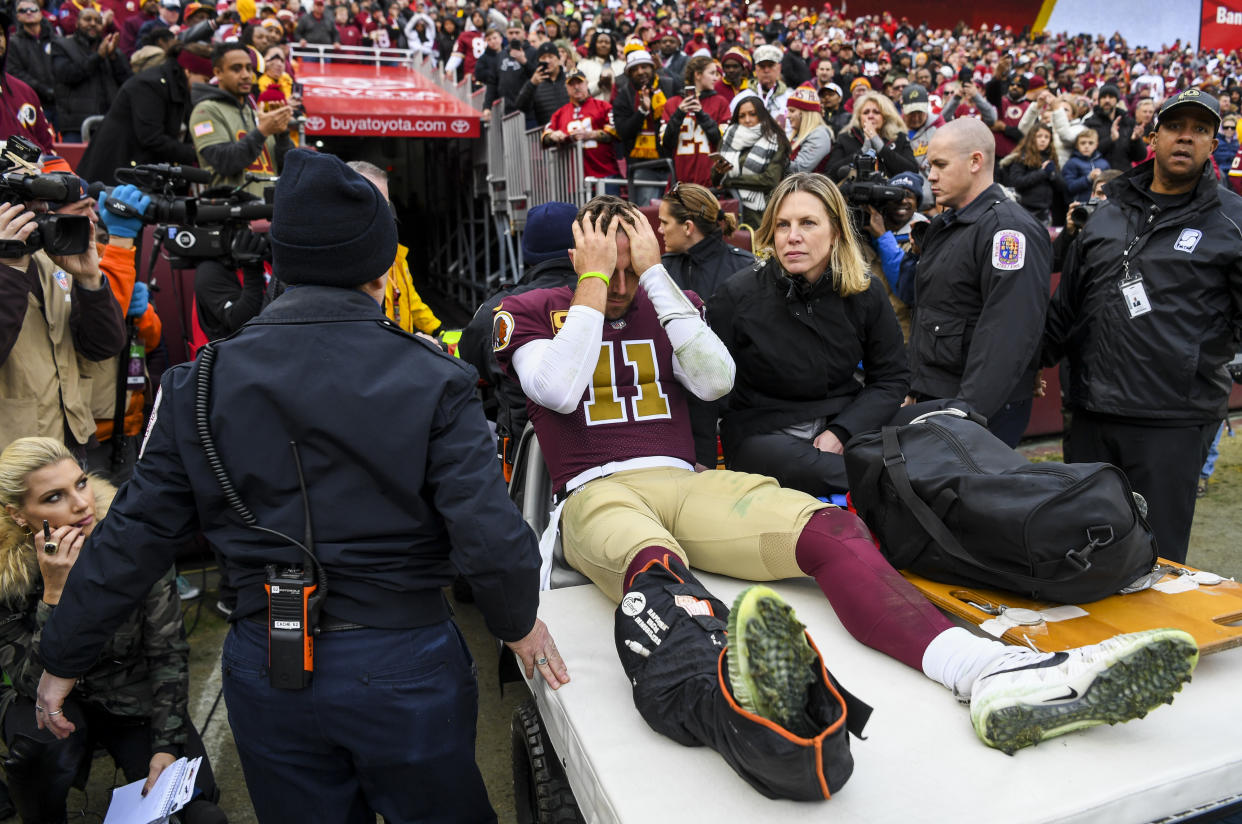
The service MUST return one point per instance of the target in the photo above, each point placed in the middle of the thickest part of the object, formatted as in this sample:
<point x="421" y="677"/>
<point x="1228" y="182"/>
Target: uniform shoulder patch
<point x="203" y="129"/>
<point x="502" y="330"/>
<point x="1008" y="249"/>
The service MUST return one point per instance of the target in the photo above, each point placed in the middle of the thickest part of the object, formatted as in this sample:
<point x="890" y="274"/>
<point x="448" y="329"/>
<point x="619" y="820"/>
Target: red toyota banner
<point x="1220" y="26"/>
<point x="381" y="101"/>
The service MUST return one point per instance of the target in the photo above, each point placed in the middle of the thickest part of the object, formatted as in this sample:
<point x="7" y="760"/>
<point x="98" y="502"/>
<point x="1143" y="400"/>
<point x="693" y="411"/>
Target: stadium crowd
<point x="928" y="170"/>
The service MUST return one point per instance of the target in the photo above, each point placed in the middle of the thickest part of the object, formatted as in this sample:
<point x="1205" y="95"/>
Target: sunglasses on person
<point x="675" y="194"/>
<point x="28" y="10"/>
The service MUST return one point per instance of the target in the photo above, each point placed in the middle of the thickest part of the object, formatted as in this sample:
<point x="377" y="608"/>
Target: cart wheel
<point x="541" y="791"/>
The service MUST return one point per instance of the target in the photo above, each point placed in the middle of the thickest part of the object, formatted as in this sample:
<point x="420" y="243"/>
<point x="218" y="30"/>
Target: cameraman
<point x="42" y="389"/>
<point x="891" y="229"/>
<point x="229" y="292"/>
<point x="230" y="137"/>
<point x="1061" y="246"/>
<point x="516" y="67"/>
<point x="544" y="91"/>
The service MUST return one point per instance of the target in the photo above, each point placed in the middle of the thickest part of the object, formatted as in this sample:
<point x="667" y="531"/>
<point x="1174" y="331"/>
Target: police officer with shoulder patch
<point x="981" y="287"/>
<point x="1148" y="313"/>
<point x="344" y="471"/>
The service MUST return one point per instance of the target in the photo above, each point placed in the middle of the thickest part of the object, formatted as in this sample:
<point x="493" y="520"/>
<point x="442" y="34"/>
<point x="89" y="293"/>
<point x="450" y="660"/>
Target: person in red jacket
<point x="692" y="124"/>
<point x="587" y="120"/>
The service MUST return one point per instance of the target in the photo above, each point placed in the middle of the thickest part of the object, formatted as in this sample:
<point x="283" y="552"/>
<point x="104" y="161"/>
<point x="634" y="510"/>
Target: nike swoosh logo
<point x="1056" y="659"/>
<point x="1073" y="693"/>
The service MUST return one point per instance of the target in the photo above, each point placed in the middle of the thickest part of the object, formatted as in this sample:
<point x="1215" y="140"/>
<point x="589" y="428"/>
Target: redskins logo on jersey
<point x="502" y="330"/>
<point x="27" y="115"/>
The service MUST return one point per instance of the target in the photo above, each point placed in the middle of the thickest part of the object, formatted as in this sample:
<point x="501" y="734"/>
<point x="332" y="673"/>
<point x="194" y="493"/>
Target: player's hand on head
<point x="644" y="246"/>
<point x="595" y="245"/>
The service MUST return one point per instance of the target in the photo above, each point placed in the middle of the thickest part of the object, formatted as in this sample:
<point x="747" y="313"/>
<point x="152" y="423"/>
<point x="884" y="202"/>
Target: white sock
<point x="956" y="656"/>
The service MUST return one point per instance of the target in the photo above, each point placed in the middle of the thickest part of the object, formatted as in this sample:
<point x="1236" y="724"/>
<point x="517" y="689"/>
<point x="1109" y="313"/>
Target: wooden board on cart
<point x="1211" y="613"/>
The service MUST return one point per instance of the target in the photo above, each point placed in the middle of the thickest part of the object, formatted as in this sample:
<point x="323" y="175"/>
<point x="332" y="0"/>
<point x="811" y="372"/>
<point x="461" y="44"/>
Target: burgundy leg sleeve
<point x="878" y="607"/>
<point x="645" y="557"/>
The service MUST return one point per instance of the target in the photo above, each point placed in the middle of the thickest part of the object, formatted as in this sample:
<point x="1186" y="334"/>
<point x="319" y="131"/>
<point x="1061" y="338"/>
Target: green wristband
<point x="599" y="275"/>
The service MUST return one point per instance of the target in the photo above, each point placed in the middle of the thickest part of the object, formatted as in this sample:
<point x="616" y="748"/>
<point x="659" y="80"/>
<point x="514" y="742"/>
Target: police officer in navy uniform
<point x="981" y="287"/>
<point x="337" y="431"/>
<point x="1148" y="313"/>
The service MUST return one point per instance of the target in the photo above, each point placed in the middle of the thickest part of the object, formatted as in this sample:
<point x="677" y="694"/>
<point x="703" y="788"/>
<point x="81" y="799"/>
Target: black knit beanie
<point x="330" y="225"/>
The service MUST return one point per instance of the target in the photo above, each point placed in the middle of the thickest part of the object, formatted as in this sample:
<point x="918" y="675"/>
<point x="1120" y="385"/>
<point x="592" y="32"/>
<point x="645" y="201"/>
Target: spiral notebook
<point x="172" y="791"/>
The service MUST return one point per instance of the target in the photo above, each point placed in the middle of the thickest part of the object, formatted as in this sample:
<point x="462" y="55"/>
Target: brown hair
<point x="696" y="65"/>
<point x="689" y="201"/>
<point x="607" y="206"/>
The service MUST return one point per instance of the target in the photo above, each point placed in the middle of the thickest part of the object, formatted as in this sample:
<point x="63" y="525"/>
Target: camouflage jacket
<point x="142" y="672"/>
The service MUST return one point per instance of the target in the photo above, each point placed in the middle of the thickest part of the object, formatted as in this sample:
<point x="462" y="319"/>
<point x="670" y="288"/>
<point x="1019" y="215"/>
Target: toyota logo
<point x="315" y="123"/>
<point x="460" y="126"/>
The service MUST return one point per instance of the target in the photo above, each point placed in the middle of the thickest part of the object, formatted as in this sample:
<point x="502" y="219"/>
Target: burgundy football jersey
<point x="633" y="407"/>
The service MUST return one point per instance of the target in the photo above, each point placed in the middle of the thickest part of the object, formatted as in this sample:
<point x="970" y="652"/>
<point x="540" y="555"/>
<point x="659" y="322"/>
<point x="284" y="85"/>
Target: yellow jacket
<point x="401" y="301"/>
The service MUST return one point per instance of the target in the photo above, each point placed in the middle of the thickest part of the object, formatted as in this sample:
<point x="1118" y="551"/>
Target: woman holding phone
<point x="692" y="123"/>
<point x="133" y="702"/>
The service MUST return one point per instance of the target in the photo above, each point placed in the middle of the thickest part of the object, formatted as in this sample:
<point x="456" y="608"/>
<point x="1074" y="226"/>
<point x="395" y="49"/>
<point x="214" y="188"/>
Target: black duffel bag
<point x="951" y="502"/>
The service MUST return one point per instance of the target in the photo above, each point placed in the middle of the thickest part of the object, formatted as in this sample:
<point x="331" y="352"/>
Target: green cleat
<point x="1026" y="697"/>
<point x="771" y="665"/>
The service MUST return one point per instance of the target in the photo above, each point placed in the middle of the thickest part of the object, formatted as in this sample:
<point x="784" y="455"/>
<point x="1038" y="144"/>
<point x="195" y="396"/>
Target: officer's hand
<point x="128" y="199"/>
<point x="250" y="249"/>
<point x="139" y="301"/>
<point x="50" y="698"/>
<point x="644" y="246"/>
<point x="595" y="245"/>
<point x="159" y="762"/>
<point x="274" y="121"/>
<point x="909" y="401"/>
<point x="16" y="223"/>
<point x="538" y="652"/>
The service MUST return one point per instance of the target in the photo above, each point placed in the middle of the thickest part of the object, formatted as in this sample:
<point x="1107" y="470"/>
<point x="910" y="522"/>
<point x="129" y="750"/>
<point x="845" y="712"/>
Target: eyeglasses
<point x="28" y="10"/>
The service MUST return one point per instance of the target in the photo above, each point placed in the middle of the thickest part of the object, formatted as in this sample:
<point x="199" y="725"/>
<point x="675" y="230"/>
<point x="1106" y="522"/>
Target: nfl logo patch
<point x="1008" y="249"/>
<point x="62" y="279"/>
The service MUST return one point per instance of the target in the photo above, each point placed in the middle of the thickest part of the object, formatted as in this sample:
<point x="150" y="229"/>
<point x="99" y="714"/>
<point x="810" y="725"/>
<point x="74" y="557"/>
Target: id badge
<point x="1135" y="296"/>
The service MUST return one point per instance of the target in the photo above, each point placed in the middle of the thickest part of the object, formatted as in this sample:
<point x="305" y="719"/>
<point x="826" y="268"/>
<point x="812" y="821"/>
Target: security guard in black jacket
<point x="336" y="462"/>
<point x="1148" y="313"/>
<point x="981" y="287"/>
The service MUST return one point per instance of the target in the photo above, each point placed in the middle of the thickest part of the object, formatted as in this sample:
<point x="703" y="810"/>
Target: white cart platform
<point x="921" y="761"/>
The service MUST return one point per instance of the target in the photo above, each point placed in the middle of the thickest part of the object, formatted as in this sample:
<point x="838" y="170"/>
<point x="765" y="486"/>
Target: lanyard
<point x="1134" y="247"/>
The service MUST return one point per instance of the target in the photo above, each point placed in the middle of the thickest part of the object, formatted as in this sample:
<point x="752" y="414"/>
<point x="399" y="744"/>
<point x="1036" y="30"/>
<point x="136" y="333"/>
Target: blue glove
<point x="132" y="197"/>
<point x="139" y="300"/>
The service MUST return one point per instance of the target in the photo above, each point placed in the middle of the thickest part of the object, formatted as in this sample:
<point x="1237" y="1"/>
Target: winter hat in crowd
<point x="739" y="54"/>
<point x="912" y="182"/>
<point x="1109" y="88"/>
<point x="914" y="99"/>
<point x="743" y="95"/>
<point x="805" y="97"/>
<point x="768" y="54"/>
<point x="330" y="225"/>
<point x="549" y="232"/>
<point x="638" y="57"/>
<point x="1036" y="81"/>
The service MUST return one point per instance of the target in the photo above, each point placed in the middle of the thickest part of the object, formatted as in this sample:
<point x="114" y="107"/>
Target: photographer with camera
<point x="544" y="92"/>
<point x="55" y="313"/>
<point x="891" y="226"/>
<point x="981" y="287"/>
<point x="517" y="64"/>
<point x="1148" y="314"/>
<point x="230" y="136"/>
<point x="1076" y="217"/>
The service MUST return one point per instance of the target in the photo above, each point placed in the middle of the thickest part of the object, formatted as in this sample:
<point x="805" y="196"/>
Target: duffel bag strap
<point x="895" y="463"/>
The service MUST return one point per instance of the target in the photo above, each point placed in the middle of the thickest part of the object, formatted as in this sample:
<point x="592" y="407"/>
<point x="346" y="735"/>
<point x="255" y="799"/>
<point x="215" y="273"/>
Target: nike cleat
<point x="771" y="665"/>
<point x="1025" y="697"/>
